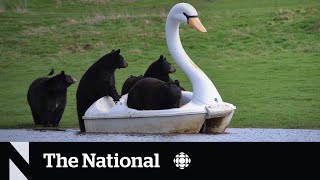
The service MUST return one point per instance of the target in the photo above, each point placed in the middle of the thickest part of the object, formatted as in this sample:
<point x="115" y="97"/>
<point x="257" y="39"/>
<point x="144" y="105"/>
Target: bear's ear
<point x="62" y="72"/>
<point x="161" y="57"/>
<point x="51" y="72"/>
<point x="177" y="82"/>
<point x="118" y="51"/>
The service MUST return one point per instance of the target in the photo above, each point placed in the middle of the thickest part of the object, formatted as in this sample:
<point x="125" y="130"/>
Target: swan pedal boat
<point x="106" y="116"/>
<point x="202" y="110"/>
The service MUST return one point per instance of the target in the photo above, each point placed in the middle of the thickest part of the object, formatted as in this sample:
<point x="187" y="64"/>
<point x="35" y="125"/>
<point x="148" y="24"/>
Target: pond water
<point x="230" y="135"/>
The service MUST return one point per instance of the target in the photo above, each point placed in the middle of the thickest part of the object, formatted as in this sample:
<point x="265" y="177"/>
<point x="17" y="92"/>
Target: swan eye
<point x="187" y="16"/>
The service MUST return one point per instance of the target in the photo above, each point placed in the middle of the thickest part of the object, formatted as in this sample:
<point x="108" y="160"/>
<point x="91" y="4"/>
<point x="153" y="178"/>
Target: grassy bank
<point x="263" y="56"/>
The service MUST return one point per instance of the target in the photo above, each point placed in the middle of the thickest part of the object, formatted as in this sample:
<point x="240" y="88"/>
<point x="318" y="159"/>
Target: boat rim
<point x="148" y="115"/>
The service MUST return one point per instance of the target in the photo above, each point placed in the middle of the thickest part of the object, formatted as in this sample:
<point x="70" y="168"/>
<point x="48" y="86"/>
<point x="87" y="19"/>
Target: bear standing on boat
<point x="47" y="98"/>
<point x="98" y="81"/>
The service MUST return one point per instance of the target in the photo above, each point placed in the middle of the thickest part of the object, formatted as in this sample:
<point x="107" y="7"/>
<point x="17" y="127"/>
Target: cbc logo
<point x="182" y="160"/>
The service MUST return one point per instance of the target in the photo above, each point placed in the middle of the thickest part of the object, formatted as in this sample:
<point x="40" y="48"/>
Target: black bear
<point x="47" y="98"/>
<point x="98" y="81"/>
<point x="154" y="94"/>
<point x="129" y="83"/>
<point x="159" y="69"/>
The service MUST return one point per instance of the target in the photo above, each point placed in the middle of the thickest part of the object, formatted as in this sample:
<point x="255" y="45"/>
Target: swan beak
<point x="196" y="23"/>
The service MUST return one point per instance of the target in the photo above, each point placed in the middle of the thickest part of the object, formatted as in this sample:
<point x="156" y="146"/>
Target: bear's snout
<point x="172" y="69"/>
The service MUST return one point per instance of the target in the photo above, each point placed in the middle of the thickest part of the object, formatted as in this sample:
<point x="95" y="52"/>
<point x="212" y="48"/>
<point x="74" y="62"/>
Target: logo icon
<point x="182" y="160"/>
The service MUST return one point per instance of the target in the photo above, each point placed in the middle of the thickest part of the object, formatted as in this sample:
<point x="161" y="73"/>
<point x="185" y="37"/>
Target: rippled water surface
<point x="231" y="135"/>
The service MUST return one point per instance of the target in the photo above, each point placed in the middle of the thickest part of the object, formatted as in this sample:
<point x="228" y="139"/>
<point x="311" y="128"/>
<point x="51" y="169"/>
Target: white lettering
<point x="109" y="161"/>
<point x="109" y="158"/>
<point x="157" y="165"/>
<point x="134" y="160"/>
<point x="101" y="162"/>
<point x="86" y="159"/>
<point x="122" y="162"/>
<point x="59" y="161"/>
<point x="49" y="157"/>
<point x="73" y="162"/>
<point x="148" y="162"/>
<point x="116" y="161"/>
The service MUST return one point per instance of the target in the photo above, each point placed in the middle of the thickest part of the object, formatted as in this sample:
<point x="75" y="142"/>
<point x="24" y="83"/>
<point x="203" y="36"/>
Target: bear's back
<point x="90" y="78"/>
<point x="37" y="85"/>
<point x="36" y="92"/>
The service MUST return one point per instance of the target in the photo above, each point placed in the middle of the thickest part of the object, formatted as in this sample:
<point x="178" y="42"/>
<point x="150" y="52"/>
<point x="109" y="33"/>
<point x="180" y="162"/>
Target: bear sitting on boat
<point x="129" y="83"/>
<point x="154" y="94"/>
<point x="159" y="69"/>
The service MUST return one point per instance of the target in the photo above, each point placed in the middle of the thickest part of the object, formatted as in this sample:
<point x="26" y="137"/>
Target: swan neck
<point x="203" y="89"/>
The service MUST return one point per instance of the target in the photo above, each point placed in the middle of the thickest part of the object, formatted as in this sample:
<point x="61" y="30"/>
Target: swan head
<point x="187" y="14"/>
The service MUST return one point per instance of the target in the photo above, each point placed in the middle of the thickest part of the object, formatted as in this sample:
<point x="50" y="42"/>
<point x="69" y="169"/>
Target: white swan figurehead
<point x="204" y="90"/>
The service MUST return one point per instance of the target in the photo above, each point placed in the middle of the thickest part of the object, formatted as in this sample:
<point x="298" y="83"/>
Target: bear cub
<point x="159" y="69"/>
<point x="129" y="83"/>
<point x="47" y="98"/>
<point x="154" y="94"/>
<point x="98" y="81"/>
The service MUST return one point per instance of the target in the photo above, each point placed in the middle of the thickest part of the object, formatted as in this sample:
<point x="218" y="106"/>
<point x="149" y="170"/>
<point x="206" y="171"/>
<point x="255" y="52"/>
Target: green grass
<point x="263" y="56"/>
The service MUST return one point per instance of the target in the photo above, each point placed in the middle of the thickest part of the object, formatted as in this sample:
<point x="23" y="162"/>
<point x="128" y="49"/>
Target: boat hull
<point x="106" y="117"/>
<point x="173" y="124"/>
